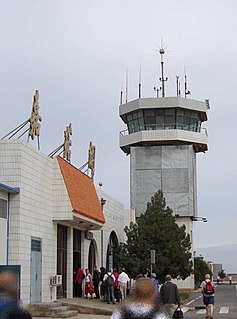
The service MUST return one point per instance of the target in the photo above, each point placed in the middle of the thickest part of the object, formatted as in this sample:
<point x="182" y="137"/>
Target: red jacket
<point x="79" y="276"/>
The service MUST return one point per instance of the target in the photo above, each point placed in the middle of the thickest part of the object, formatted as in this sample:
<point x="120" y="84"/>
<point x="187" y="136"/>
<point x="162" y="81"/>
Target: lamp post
<point x="194" y="218"/>
<point x="199" y="219"/>
<point x="102" y="202"/>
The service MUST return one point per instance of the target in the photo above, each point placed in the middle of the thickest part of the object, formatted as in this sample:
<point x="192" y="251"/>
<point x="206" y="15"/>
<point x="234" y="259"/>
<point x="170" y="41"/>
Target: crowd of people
<point x="149" y="297"/>
<point x="107" y="285"/>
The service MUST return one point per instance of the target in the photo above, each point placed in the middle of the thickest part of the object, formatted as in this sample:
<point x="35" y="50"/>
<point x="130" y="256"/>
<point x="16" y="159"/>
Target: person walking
<point x="96" y="280"/>
<point x="102" y="284"/>
<point x="144" y="304"/>
<point x="123" y="283"/>
<point x="9" y="302"/>
<point x="89" y="289"/>
<point x="109" y="280"/>
<point x="208" y="291"/>
<point x="117" y="292"/>
<point x="169" y="296"/>
<point x="78" y="281"/>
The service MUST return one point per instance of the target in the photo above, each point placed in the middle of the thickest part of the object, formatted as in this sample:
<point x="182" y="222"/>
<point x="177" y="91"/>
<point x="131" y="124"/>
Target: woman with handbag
<point x="89" y="289"/>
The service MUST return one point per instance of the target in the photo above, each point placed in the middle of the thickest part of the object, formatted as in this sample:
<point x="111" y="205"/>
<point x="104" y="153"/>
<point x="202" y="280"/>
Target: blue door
<point x="35" y="270"/>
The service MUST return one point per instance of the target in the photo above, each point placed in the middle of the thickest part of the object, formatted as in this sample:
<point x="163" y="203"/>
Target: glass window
<point x="149" y="112"/>
<point x="169" y="122"/>
<point x="180" y="112"/>
<point x="130" y="127"/>
<point x="141" y="123"/>
<point x="194" y="115"/>
<point x="186" y="123"/>
<point x="187" y="113"/>
<point x="129" y="117"/>
<point x="3" y="208"/>
<point x="160" y="121"/>
<point x="193" y="124"/>
<point x="160" y="112"/>
<point x="136" y="125"/>
<point x="169" y="112"/>
<point x="134" y="116"/>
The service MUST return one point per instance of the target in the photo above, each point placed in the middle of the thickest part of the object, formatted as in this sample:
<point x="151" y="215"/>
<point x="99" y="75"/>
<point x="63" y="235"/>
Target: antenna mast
<point x="162" y="79"/>
<point x="121" y="94"/>
<point x="126" y="85"/>
<point x="178" y="86"/>
<point x="186" y="91"/>
<point x="140" y="82"/>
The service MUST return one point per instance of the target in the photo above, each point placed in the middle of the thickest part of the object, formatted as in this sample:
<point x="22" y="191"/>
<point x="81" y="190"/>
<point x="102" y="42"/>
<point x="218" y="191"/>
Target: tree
<point x="156" y="229"/>
<point x="222" y="274"/>
<point x="201" y="268"/>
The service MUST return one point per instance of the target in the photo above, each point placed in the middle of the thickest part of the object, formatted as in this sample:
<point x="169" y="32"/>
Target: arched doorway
<point x="92" y="256"/>
<point x="111" y="257"/>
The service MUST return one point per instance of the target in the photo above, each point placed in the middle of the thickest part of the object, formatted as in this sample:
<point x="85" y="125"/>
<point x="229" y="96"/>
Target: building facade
<point x="52" y="221"/>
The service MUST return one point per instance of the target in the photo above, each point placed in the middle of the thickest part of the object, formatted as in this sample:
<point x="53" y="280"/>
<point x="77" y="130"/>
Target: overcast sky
<point x="76" y="53"/>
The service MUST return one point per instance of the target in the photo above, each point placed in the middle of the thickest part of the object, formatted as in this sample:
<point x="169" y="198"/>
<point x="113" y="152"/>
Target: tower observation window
<point x="135" y="122"/>
<point x="163" y="119"/>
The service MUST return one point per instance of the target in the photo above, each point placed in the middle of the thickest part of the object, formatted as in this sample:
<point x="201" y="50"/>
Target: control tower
<point x="163" y="136"/>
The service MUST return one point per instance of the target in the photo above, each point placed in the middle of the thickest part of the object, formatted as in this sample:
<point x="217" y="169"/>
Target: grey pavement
<point x="80" y="316"/>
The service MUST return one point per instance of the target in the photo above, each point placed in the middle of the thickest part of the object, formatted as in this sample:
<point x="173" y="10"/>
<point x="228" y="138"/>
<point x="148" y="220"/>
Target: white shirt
<point x="137" y="309"/>
<point x="123" y="277"/>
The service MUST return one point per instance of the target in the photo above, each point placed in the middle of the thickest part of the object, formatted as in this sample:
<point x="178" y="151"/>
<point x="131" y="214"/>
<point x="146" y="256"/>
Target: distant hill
<point x="225" y="255"/>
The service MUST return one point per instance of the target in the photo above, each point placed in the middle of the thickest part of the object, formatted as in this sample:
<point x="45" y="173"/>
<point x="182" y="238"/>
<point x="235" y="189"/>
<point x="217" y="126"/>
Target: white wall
<point x="42" y="200"/>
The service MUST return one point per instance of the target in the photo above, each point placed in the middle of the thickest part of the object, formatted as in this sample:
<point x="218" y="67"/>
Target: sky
<point x="76" y="54"/>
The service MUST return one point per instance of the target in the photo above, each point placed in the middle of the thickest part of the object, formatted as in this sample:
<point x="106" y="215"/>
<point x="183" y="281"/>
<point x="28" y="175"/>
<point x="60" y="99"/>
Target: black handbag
<point x="178" y="313"/>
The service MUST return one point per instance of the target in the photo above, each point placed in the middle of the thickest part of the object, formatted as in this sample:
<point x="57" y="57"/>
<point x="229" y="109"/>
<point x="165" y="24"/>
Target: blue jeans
<point x="110" y="294"/>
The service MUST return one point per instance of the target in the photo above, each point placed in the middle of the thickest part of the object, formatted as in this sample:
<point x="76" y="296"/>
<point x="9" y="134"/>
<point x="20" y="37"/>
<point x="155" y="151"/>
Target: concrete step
<point x="53" y="310"/>
<point x="68" y="314"/>
<point x="59" y="309"/>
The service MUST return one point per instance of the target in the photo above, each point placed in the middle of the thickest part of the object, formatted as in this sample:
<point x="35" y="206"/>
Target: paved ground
<point x="80" y="316"/>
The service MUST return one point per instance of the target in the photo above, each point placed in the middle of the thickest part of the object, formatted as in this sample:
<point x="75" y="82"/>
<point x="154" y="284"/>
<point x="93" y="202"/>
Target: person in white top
<point x="123" y="283"/>
<point x="144" y="302"/>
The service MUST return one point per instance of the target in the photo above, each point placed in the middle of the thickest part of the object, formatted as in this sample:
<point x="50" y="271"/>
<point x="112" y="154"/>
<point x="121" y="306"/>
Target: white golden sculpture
<point x="35" y="117"/>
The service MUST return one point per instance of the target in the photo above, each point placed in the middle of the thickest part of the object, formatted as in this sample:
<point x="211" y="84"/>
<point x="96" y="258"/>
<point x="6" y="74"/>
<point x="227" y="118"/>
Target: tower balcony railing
<point x="148" y="127"/>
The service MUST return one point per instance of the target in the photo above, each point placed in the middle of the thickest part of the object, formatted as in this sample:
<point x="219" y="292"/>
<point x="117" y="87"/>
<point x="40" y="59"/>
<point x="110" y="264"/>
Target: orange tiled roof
<point x="81" y="191"/>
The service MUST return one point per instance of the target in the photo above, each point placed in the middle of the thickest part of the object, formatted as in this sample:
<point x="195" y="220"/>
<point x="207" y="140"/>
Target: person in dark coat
<point x="96" y="280"/>
<point x="169" y="296"/>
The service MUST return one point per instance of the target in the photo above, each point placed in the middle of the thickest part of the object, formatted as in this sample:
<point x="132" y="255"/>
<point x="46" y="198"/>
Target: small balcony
<point x="166" y="134"/>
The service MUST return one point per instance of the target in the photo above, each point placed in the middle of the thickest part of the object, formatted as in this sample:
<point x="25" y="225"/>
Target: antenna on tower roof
<point x="162" y="79"/>
<point x="121" y="94"/>
<point x="140" y="81"/>
<point x="186" y="91"/>
<point x="126" y="85"/>
<point x="178" y="86"/>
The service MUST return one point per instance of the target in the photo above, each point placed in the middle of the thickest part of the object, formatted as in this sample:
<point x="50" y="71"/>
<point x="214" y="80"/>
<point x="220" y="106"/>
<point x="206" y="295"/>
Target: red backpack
<point x="209" y="289"/>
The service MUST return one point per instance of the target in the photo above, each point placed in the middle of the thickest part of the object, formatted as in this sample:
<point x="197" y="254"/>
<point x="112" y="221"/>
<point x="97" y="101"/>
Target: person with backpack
<point x="109" y="280"/>
<point x="208" y="291"/>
